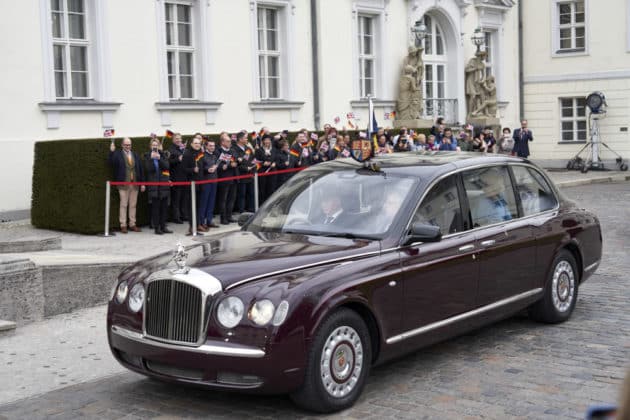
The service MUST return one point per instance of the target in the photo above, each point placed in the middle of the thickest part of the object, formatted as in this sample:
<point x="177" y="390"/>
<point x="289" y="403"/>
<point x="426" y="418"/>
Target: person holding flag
<point x="266" y="158"/>
<point x="300" y="151"/>
<point x="156" y="169"/>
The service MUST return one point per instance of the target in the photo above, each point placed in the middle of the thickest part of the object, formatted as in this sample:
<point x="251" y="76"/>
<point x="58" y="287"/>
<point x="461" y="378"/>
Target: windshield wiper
<point x="350" y="235"/>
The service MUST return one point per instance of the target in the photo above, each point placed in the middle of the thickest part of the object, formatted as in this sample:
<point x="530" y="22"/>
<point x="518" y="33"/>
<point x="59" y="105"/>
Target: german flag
<point x="199" y="157"/>
<point x="248" y="151"/>
<point x="294" y="153"/>
<point x="169" y="134"/>
<point x="258" y="164"/>
<point x="166" y="172"/>
<point x="336" y="149"/>
<point x="392" y="114"/>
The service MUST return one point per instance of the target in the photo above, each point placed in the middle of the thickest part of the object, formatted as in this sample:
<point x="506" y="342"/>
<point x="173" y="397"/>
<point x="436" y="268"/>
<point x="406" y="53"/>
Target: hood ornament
<point x="180" y="258"/>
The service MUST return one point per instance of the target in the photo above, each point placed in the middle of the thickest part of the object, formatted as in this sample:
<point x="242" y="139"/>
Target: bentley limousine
<point x="350" y="265"/>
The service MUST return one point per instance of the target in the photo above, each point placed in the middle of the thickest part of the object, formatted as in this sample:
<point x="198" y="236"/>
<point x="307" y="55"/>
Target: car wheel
<point x="338" y="364"/>
<point x="561" y="291"/>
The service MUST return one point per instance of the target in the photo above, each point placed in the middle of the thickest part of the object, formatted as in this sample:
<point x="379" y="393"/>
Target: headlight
<point x="121" y="292"/>
<point x="261" y="312"/>
<point x="230" y="312"/>
<point x="136" y="297"/>
<point x="281" y="313"/>
<point x="113" y="292"/>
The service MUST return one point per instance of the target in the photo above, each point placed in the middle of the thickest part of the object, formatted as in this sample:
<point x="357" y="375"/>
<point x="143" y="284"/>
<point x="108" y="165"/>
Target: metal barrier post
<point x="107" y="205"/>
<point x="193" y="213"/>
<point x="256" y="191"/>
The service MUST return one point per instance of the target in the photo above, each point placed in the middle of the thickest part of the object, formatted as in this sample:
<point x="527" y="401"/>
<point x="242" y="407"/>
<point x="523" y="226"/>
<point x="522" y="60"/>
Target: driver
<point x="332" y="210"/>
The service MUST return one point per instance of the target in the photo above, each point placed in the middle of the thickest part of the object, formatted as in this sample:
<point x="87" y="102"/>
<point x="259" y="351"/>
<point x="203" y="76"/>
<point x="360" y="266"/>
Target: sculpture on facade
<point x="414" y="59"/>
<point x="474" y="80"/>
<point x="409" y="103"/>
<point x="488" y="106"/>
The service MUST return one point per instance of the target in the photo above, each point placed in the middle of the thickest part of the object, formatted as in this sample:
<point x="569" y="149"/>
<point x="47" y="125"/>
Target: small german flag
<point x="248" y="151"/>
<point x="392" y="114"/>
<point x="169" y="134"/>
<point x="166" y="173"/>
<point x="199" y="157"/>
<point x="258" y="164"/>
<point x="294" y="152"/>
<point x="337" y="149"/>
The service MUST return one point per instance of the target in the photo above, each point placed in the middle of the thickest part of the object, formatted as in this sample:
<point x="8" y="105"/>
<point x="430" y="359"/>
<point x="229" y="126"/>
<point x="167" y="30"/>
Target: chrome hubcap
<point x="563" y="286"/>
<point x="341" y="361"/>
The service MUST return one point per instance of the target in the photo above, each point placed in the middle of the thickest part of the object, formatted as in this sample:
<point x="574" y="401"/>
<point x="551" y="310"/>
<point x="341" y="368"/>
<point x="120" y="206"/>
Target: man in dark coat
<point x="180" y="194"/>
<point x="156" y="168"/>
<point x="127" y="168"/>
<point x="266" y="157"/>
<point x="283" y="161"/>
<point x="226" y="191"/>
<point x="244" y="155"/>
<point x="522" y="136"/>
<point x="193" y="166"/>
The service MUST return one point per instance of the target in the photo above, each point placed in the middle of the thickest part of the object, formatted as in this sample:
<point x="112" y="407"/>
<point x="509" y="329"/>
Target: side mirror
<point x="422" y="232"/>
<point x="244" y="218"/>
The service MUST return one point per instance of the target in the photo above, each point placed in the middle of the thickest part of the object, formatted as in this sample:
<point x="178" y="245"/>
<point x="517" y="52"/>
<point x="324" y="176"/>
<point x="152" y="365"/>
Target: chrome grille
<point x="173" y="311"/>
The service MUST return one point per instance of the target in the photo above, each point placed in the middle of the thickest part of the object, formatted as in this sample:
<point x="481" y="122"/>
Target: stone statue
<point x="414" y="59"/>
<point x="474" y="80"/>
<point x="488" y="106"/>
<point x="409" y="104"/>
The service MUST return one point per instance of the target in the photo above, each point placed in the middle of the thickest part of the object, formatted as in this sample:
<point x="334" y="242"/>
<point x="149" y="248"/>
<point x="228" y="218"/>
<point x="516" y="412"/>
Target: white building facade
<point x="572" y="48"/>
<point x="83" y="66"/>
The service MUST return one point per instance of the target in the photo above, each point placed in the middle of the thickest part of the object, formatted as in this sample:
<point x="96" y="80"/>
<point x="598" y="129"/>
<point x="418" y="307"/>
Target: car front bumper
<point x="215" y="364"/>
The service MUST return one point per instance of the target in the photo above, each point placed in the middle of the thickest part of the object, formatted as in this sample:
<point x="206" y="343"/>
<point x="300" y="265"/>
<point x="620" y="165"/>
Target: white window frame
<point x="363" y="56"/>
<point x="265" y="54"/>
<point x="434" y="61"/>
<point x="286" y="38"/>
<point x="375" y="9"/>
<point x="491" y="52"/>
<point x="175" y="48"/>
<point x="575" y="118"/>
<point x="555" y="29"/>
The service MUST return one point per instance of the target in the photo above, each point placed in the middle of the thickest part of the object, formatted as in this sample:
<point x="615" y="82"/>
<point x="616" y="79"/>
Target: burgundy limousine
<point x="350" y="265"/>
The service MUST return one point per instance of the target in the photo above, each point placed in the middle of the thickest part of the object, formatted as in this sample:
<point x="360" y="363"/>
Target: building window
<point x="435" y="60"/>
<point x="573" y="119"/>
<point x="269" y="53"/>
<point x="70" y="49"/>
<point x="571" y="26"/>
<point x="180" y="51"/>
<point x="367" y="56"/>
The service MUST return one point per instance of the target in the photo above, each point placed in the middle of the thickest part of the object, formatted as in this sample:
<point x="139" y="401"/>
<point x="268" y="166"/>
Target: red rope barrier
<point x="207" y="181"/>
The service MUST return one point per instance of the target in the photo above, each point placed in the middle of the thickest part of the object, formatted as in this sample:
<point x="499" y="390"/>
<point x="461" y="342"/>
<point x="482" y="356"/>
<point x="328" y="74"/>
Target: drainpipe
<point x="315" y="58"/>
<point x="521" y="96"/>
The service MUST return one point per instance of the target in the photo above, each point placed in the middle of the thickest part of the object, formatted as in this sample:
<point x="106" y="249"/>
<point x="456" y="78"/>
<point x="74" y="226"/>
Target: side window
<point x="535" y="194"/>
<point x="441" y="207"/>
<point x="490" y="195"/>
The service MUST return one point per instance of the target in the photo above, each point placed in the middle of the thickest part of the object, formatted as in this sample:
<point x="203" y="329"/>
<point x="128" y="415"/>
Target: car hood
<point x="238" y="256"/>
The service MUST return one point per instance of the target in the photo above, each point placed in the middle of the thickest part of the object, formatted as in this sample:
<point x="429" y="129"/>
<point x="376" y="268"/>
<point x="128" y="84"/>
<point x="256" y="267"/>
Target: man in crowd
<point x="156" y="168"/>
<point x="266" y="157"/>
<point x="301" y="151"/>
<point x="522" y="136"/>
<point x="193" y="166"/>
<point x="448" y="142"/>
<point x="226" y="191"/>
<point x="244" y="155"/>
<point x="127" y="168"/>
<point x="283" y="161"/>
<point x="209" y="190"/>
<point x="180" y="194"/>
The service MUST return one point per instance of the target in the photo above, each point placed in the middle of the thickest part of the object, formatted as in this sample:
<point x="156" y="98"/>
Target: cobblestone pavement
<point x="514" y="369"/>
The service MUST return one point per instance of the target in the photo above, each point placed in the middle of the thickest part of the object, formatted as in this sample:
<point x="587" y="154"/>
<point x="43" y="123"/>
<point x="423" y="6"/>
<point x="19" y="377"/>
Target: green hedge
<point x="69" y="179"/>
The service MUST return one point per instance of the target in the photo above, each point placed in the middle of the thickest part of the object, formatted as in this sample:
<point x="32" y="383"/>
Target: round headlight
<point x="261" y="312"/>
<point x="136" y="297"/>
<point x="230" y="312"/>
<point x="281" y="313"/>
<point x="121" y="292"/>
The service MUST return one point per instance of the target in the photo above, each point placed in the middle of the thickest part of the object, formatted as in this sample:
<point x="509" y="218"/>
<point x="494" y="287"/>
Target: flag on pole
<point x="372" y="124"/>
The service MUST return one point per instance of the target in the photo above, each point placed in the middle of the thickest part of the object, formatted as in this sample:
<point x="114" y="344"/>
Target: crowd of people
<point x="241" y="154"/>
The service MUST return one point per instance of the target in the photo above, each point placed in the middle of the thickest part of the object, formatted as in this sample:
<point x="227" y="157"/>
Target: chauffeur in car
<point x="292" y="304"/>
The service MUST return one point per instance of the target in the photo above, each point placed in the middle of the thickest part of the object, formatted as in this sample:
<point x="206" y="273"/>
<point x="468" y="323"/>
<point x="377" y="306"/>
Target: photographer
<point x="156" y="168"/>
<point x="403" y="144"/>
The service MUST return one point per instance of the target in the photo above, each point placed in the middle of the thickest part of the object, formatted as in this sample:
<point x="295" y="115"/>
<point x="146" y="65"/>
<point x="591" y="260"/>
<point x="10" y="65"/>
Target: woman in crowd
<point x="383" y="146"/>
<point x="479" y="143"/>
<point x="266" y="157"/>
<point x="506" y="142"/>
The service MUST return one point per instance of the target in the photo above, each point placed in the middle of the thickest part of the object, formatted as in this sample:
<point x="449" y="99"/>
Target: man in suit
<point x="157" y="170"/>
<point x="333" y="212"/>
<point x="180" y="194"/>
<point x="127" y="168"/>
<point x="522" y="136"/>
<point x="228" y="167"/>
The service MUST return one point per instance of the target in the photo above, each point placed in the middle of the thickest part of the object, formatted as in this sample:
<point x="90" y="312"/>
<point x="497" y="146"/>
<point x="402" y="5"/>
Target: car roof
<point x="428" y="164"/>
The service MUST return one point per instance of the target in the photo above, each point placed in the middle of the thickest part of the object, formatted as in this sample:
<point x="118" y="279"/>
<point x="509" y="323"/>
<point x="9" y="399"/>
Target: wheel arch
<point x="574" y="249"/>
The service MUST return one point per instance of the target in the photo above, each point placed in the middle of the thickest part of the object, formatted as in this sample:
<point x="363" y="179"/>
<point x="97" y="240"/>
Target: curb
<point x="597" y="180"/>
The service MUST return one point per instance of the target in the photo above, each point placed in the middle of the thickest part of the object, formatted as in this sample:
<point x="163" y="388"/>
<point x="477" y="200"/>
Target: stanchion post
<point x="107" y="204"/>
<point x="193" y="201"/>
<point x="256" y="191"/>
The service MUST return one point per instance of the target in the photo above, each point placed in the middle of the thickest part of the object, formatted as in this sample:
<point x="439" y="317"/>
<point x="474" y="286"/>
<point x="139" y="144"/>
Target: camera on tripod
<point x="596" y="103"/>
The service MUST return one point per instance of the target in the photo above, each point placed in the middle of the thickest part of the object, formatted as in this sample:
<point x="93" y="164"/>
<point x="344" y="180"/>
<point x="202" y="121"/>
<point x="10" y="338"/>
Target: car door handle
<point x="489" y="242"/>
<point x="465" y="248"/>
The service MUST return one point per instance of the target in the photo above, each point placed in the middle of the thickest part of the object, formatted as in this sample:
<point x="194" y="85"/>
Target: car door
<point x="440" y="278"/>
<point x="506" y="245"/>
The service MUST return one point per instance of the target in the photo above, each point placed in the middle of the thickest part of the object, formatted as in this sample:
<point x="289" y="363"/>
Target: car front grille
<point x="173" y="311"/>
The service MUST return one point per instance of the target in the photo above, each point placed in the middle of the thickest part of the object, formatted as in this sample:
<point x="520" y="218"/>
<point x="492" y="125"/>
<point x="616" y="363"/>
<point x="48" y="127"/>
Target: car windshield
<point x="352" y="203"/>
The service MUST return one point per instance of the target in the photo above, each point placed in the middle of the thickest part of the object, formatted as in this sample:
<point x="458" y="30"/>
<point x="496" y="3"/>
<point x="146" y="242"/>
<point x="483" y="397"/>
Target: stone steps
<point x="18" y="246"/>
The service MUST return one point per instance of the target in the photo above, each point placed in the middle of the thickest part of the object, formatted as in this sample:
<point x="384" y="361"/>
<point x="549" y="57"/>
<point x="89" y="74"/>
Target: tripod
<point x="592" y="160"/>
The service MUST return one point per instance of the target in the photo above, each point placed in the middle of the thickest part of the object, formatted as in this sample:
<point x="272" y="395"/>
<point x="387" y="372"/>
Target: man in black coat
<point x="266" y="157"/>
<point x="283" y="161"/>
<point x="156" y="168"/>
<point x="522" y="136"/>
<point x="244" y="155"/>
<point x="226" y="192"/>
<point x="180" y="194"/>
<point x="193" y="166"/>
<point x="127" y="168"/>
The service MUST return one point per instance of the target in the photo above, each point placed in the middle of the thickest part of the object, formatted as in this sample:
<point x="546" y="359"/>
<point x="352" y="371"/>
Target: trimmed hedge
<point x="69" y="179"/>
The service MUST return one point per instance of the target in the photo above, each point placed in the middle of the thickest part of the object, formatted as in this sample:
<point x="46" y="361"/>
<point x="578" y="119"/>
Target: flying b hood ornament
<point x="180" y="258"/>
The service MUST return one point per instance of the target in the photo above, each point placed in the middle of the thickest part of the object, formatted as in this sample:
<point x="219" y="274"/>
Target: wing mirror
<point x="422" y="232"/>
<point x="244" y="218"/>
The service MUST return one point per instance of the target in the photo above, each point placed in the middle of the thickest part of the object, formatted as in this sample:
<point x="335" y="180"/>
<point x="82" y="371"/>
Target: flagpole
<point x="370" y="116"/>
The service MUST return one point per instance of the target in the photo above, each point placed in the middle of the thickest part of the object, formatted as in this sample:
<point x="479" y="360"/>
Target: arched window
<point x="435" y="61"/>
